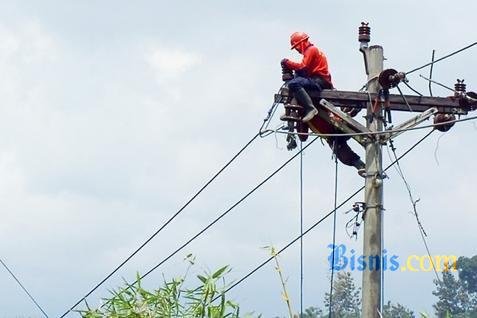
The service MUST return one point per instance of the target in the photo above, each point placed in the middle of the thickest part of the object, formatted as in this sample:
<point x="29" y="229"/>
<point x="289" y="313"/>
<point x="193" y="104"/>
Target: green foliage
<point x="171" y="300"/>
<point x="454" y="300"/>
<point x="468" y="272"/>
<point x="346" y="299"/>
<point x="312" y="312"/>
<point x="397" y="311"/>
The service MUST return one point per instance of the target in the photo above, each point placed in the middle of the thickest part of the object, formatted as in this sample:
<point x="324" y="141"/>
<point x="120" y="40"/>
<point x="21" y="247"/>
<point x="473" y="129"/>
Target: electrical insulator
<point x="443" y="118"/>
<point x="287" y="74"/>
<point x="459" y="87"/>
<point x="364" y="33"/>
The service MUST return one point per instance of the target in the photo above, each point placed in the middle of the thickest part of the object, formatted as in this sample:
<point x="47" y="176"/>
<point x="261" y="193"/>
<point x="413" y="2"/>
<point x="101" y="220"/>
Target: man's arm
<point x="296" y="66"/>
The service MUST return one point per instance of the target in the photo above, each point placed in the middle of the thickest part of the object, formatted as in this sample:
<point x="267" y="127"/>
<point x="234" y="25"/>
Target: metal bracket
<point x="399" y="129"/>
<point x="345" y="123"/>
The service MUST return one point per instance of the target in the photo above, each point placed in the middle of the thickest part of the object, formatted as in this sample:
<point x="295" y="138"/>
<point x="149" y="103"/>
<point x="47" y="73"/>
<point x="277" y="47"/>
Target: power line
<point x="163" y="226"/>
<point x="317" y="223"/>
<point x="219" y="217"/>
<point x="384" y="132"/>
<point x="442" y="58"/>
<point x="414" y="207"/>
<point x="301" y="228"/>
<point x="24" y="289"/>
<point x="334" y="229"/>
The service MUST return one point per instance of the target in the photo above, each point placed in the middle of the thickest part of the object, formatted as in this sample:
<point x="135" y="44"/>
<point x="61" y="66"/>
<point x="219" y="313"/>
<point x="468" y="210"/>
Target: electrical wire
<point x="24" y="289"/>
<point x="334" y="229"/>
<point x="442" y="58"/>
<point x="217" y="219"/>
<point x="162" y="226"/>
<point x="430" y="72"/>
<point x="414" y="207"/>
<point x="405" y="99"/>
<point x="376" y="133"/>
<point x="253" y="271"/>
<point x="301" y="229"/>
<point x="411" y="88"/>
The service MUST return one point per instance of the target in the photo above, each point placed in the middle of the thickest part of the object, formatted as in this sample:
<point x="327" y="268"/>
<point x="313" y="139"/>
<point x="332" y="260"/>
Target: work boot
<point x="304" y="100"/>
<point x="358" y="164"/>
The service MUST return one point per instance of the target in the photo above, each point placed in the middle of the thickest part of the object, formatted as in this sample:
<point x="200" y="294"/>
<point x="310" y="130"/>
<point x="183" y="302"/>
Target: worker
<point x="312" y="74"/>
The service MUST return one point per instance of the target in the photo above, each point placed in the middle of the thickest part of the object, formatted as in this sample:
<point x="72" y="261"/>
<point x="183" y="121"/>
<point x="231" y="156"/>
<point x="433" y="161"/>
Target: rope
<point x="334" y="229"/>
<point x="315" y="224"/>
<point x="162" y="227"/>
<point x="216" y="220"/>
<point x="24" y="289"/>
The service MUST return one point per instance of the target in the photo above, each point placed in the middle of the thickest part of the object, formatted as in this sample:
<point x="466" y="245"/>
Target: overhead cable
<point x="241" y="280"/>
<point x="442" y="58"/>
<point x="162" y="226"/>
<point x="185" y="244"/>
<point x="24" y="289"/>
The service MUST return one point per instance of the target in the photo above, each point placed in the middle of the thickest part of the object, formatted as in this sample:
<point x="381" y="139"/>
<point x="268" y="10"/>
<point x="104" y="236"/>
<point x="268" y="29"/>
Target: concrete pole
<point x="371" y="285"/>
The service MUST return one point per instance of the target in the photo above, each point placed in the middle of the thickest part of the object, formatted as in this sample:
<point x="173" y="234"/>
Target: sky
<point x="113" y="113"/>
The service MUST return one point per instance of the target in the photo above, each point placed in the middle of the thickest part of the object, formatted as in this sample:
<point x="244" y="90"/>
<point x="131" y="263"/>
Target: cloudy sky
<point x="113" y="113"/>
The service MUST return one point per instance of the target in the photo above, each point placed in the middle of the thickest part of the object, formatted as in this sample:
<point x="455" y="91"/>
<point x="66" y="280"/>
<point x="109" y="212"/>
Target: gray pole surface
<point x="371" y="300"/>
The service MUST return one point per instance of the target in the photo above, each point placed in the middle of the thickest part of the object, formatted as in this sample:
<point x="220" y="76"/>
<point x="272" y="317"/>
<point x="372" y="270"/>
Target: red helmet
<point x="297" y="38"/>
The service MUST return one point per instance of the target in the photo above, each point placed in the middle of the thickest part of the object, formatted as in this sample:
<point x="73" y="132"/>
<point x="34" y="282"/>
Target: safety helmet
<point x="297" y="38"/>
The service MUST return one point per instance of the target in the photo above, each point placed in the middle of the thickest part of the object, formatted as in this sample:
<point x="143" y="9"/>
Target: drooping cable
<point x="185" y="244"/>
<point x="334" y="229"/>
<point x="24" y="289"/>
<point x="162" y="226"/>
<point x="442" y="58"/>
<point x="264" y="131"/>
<point x="411" y="88"/>
<point x="377" y="133"/>
<point x="301" y="229"/>
<point x="265" y="262"/>
<point x="430" y="72"/>
<point x="405" y="99"/>
<point x="422" y="232"/>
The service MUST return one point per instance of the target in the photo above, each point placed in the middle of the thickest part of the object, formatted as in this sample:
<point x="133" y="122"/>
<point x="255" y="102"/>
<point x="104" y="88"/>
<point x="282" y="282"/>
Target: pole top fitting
<point x="364" y="34"/>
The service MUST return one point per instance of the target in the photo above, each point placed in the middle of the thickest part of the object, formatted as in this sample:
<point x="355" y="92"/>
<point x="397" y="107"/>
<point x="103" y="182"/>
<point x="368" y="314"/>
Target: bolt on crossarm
<point x="371" y="288"/>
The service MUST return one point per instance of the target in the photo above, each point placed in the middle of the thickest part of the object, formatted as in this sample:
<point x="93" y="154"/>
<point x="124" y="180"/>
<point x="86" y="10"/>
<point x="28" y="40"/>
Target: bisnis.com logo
<point x="350" y="261"/>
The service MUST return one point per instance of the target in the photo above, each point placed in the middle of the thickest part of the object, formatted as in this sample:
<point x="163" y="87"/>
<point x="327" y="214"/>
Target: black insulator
<point x="364" y="32"/>
<point x="460" y="87"/>
<point x="287" y="74"/>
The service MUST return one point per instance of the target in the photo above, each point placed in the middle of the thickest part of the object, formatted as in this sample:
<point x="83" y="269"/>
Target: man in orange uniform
<point x="312" y="74"/>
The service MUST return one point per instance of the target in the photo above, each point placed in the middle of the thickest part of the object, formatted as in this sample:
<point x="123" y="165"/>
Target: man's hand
<point x="284" y="62"/>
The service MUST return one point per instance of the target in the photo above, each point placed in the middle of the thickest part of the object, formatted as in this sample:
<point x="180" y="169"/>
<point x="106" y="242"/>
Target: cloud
<point x="169" y="63"/>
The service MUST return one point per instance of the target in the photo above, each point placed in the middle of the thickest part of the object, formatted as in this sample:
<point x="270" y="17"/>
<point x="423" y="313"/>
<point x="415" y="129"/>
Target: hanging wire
<point x="24" y="289"/>
<point x="377" y="133"/>
<point x="414" y="207"/>
<point x="411" y="88"/>
<point x="442" y="58"/>
<point x="437" y="83"/>
<point x="430" y="72"/>
<point x="264" y="131"/>
<point x="162" y="226"/>
<point x="185" y="244"/>
<point x="301" y="229"/>
<point x="334" y="228"/>
<point x="405" y="99"/>
<point x="257" y="268"/>
<point x="436" y="158"/>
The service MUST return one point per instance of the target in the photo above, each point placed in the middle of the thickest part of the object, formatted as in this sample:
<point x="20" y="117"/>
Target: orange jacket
<point x="314" y="63"/>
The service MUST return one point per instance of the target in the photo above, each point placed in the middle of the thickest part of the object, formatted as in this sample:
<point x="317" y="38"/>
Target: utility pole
<point x="372" y="245"/>
<point x="379" y="104"/>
